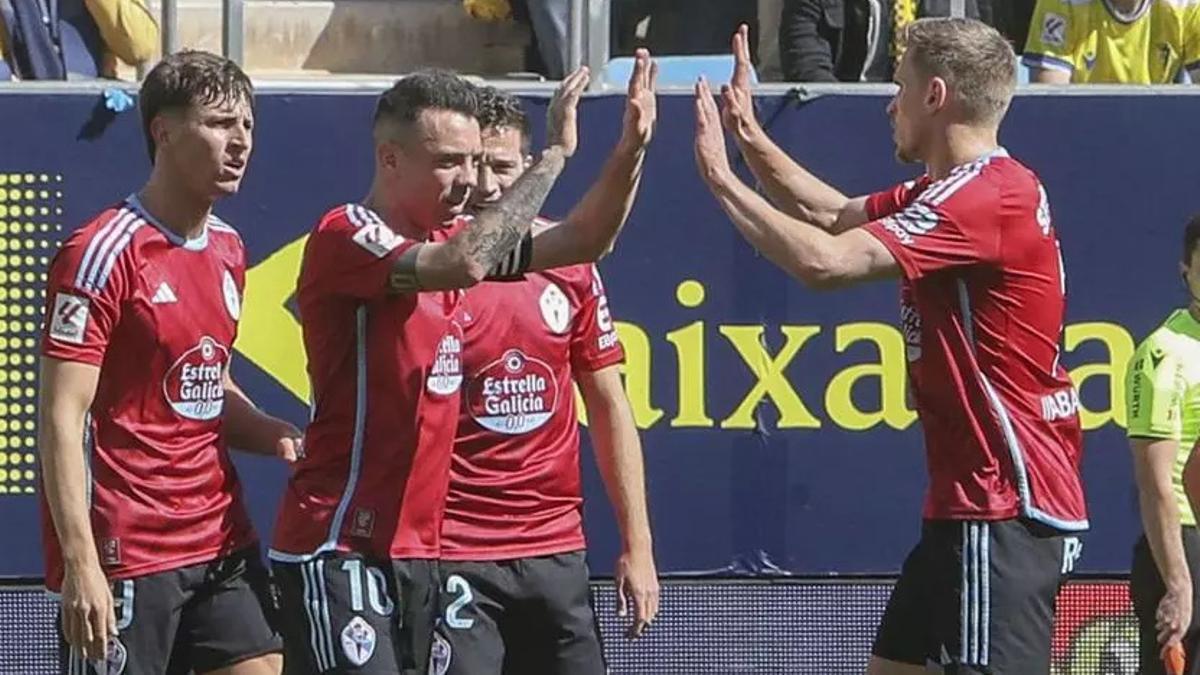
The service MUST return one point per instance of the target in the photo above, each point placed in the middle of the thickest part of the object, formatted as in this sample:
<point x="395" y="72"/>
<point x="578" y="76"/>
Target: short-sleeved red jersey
<point x="158" y="315"/>
<point x="982" y="309"/>
<point x="386" y="370"/>
<point x="514" y="484"/>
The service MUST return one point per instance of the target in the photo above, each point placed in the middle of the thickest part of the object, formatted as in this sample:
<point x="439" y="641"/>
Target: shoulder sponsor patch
<point x="1054" y="29"/>
<point x="378" y="239"/>
<point x="69" y="321"/>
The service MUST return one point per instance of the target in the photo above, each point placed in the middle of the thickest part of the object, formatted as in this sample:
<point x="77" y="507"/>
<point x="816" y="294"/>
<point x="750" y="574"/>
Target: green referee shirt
<point x="1162" y="393"/>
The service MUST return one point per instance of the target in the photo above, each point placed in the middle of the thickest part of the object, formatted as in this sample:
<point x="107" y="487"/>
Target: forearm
<point x="801" y="248"/>
<point x="1160" y="520"/>
<point x="248" y="428"/>
<point x="65" y="482"/>
<point x="598" y="218"/>
<point x="619" y="457"/>
<point x="491" y="236"/>
<point x="791" y="187"/>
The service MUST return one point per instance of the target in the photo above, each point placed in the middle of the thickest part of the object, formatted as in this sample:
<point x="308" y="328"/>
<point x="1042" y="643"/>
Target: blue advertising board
<point x="777" y="436"/>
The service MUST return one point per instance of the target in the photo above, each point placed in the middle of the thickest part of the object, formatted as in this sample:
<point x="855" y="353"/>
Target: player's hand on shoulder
<point x="562" y="126"/>
<point x="641" y="103"/>
<point x="737" y="109"/>
<point x="637" y="584"/>
<point x="88" y="616"/>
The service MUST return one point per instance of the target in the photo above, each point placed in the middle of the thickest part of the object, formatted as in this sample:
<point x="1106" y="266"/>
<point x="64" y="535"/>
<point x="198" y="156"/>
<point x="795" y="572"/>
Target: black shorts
<point x="978" y="597"/>
<point x="345" y="613"/>
<point x="523" y="616"/>
<point x="196" y="618"/>
<point x="1146" y="589"/>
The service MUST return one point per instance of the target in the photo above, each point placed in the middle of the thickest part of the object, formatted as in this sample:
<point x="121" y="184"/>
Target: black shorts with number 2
<point x="517" y="617"/>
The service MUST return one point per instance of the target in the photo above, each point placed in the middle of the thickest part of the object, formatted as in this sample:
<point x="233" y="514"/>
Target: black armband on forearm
<point x="403" y="277"/>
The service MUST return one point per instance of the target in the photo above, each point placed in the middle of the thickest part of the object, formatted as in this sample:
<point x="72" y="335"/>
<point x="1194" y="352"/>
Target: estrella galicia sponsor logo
<point x="445" y="377"/>
<point x="194" y="385"/>
<point x="513" y="395"/>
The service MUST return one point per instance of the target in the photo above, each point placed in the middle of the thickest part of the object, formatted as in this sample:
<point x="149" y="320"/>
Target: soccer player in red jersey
<point x="515" y="590"/>
<point x="982" y="304"/>
<point x="147" y="538"/>
<point x="359" y="531"/>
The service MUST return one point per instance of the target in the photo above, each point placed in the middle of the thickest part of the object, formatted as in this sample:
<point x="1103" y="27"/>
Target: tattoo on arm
<point x="496" y="231"/>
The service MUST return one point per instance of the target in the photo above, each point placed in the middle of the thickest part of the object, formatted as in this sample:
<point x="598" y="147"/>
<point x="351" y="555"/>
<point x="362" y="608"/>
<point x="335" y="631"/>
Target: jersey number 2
<point x="458" y="586"/>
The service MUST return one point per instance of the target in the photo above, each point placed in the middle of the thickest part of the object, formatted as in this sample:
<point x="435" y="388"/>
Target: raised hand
<point x="562" y="126"/>
<point x="712" y="159"/>
<point x="737" y="100"/>
<point x="641" y="103"/>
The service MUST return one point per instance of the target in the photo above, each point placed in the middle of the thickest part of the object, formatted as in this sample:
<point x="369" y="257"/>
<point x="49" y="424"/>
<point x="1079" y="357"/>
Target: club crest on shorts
<point x="114" y="659"/>
<point x="439" y="656"/>
<point x="358" y="641"/>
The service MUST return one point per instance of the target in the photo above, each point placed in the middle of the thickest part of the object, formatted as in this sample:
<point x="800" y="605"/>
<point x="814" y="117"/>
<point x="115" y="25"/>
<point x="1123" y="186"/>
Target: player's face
<point x="1191" y="274"/>
<point x="435" y="168"/>
<point x="208" y="146"/>
<point x="907" y="111"/>
<point x="502" y="164"/>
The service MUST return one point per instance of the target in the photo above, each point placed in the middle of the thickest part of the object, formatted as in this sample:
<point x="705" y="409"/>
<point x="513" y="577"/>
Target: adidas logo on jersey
<point x="163" y="295"/>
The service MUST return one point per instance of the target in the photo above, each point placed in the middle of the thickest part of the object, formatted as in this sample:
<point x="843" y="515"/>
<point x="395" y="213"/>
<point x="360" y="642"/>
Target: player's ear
<point x="937" y="94"/>
<point x="161" y="129"/>
<point x="386" y="155"/>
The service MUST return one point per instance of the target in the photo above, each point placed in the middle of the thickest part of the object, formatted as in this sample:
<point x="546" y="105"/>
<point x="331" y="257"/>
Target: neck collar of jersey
<point x="956" y="170"/>
<point x="1121" y="17"/>
<point x="1185" y="323"/>
<point x="195" y="244"/>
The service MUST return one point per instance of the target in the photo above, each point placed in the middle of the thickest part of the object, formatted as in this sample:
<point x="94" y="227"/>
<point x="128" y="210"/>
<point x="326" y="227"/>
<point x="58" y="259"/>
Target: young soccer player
<point x="146" y="535"/>
<point x="515" y="580"/>
<point x="982" y="304"/>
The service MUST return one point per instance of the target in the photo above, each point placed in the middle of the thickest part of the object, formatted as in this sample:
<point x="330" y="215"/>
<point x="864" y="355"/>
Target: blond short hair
<point x="974" y="59"/>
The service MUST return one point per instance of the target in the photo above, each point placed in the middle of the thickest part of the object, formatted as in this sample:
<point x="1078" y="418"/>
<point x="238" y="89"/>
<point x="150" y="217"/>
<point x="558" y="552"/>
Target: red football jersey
<point x="158" y="315"/>
<point x="386" y="373"/>
<point x="514" y="482"/>
<point x="982" y="306"/>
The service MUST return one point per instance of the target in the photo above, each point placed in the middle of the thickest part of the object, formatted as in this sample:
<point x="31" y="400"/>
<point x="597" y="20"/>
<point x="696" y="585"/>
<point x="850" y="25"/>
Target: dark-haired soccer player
<point x="516" y="597"/>
<point x="146" y="536"/>
<point x="359" y="532"/>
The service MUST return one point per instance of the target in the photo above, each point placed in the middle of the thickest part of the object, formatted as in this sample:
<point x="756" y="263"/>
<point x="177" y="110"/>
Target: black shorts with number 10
<point x="345" y="613"/>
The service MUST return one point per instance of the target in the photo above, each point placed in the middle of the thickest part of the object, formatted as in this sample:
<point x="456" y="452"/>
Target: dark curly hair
<point x="498" y="109"/>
